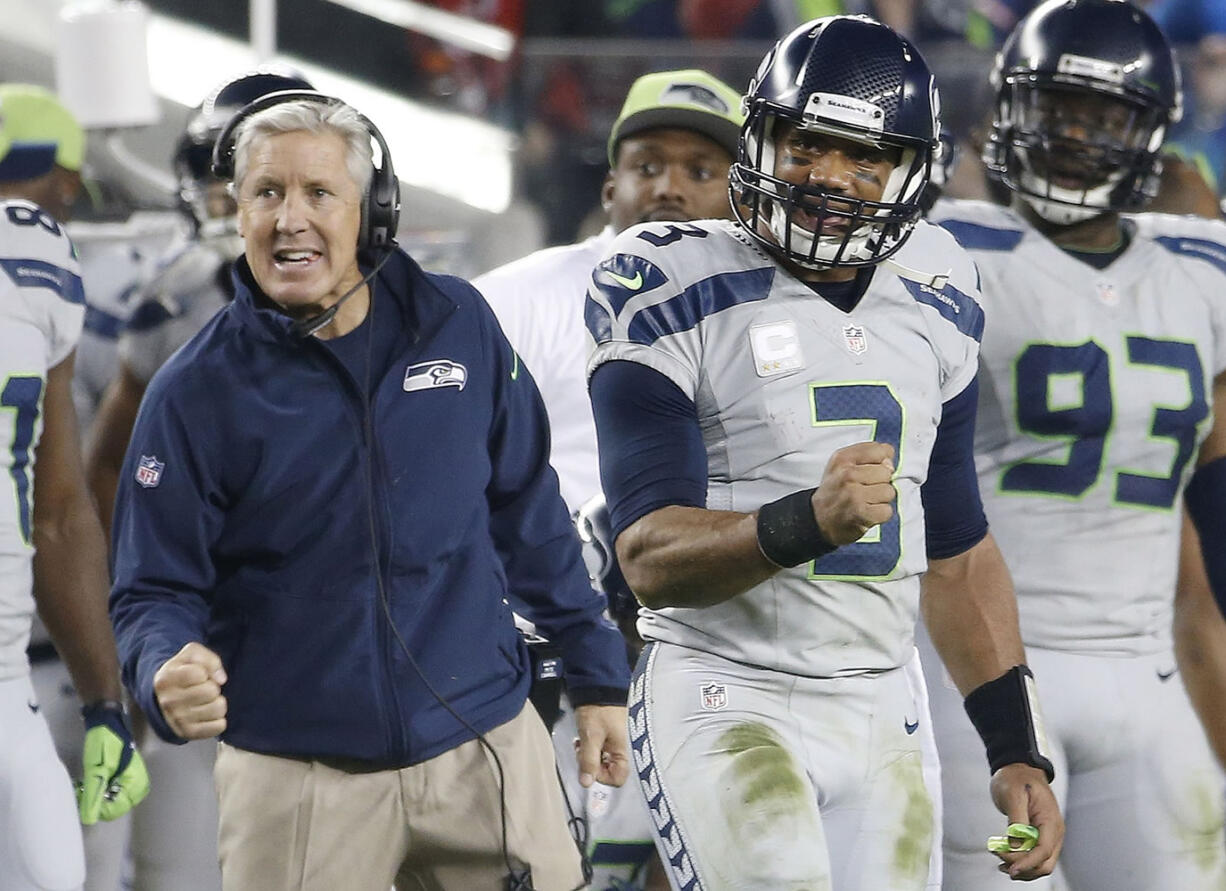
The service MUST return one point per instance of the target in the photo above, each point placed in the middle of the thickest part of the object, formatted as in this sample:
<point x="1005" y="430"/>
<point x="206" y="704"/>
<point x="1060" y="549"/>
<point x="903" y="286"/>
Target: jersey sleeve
<point x="637" y="310"/>
<point x="941" y="276"/>
<point x="1203" y="244"/>
<point x="40" y="265"/>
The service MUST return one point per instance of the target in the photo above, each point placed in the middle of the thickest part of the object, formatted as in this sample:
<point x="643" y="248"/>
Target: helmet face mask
<point x="1077" y="135"/>
<point x="849" y="85"/>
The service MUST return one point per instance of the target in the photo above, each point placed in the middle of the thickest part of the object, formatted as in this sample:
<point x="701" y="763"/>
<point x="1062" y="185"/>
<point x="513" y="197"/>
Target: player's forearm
<point x="1200" y="642"/>
<point x="108" y="442"/>
<point x="692" y="557"/>
<point x="70" y="586"/>
<point x="971" y="614"/>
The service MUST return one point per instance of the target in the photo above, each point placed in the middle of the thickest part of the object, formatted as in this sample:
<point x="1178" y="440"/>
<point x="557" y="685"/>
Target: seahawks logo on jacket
<point x="436" y="373"/>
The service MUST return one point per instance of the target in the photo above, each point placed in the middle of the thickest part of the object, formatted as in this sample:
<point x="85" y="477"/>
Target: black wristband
<point x="1006" y="714"/>
<point x="104" y="705"/>
<point x="788" y="534"/>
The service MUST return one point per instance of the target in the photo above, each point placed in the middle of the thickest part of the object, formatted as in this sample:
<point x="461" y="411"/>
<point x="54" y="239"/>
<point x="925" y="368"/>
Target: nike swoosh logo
<point x="632" y="284"/>
<point x="1165" y="676"/>
<point x="909" y="727"/>
<point x="34" y="706"/>
<point x="515" y="367"/>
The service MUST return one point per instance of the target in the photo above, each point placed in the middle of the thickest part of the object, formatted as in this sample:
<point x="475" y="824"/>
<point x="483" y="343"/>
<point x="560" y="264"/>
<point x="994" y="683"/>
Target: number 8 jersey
<point x="781" y="379"/>
<point x="1096" y="393"/>
<point x="42" y="308"/>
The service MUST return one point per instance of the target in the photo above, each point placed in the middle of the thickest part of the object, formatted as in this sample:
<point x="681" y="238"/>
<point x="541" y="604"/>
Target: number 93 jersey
<point x="1095" y="394"/>
<point x="781" y="379"/>
<point x="42" y="307"/>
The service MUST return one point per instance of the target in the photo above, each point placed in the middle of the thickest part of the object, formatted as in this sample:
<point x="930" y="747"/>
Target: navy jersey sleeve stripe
<point x="975" y="237"/>
<point x="953" y="510"/>
<point x="147" y="315"/>
<point x="1209" y="251"/>
<point x="41" y="274"/>
<point x="651" y="449"/>
<point x="598" y="321"/>
<point x="699" y="301"/>
<point x="965" y="314"/>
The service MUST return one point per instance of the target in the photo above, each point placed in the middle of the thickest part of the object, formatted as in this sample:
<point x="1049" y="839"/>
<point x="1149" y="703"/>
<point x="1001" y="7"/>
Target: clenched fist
<point x="856" y="492"/>
<point x="188" y="690"/>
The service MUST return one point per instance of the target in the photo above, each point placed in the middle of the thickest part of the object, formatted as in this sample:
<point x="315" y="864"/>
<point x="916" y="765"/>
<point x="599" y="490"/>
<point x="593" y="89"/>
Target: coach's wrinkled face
<point x="299" y="213"/>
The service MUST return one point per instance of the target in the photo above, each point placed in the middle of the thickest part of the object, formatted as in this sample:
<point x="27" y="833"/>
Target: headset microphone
<point x="304" y="328"/>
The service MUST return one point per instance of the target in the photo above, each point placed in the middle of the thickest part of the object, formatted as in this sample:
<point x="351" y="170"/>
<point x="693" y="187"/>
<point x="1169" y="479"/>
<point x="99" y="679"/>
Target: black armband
<point x="1006" y="714"/>
<point x="788" y="534"/>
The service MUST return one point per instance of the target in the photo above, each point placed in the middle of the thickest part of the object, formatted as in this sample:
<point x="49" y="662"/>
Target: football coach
<point x="334" y="496"/>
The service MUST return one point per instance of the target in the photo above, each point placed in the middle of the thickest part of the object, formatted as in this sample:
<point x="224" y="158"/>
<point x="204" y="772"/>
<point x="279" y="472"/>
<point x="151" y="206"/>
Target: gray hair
<point x="315" y="117"/>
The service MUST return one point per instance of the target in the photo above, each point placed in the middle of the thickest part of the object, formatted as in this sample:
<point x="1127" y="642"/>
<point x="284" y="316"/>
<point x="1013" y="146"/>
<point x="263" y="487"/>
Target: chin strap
<point x="935" y="280"/>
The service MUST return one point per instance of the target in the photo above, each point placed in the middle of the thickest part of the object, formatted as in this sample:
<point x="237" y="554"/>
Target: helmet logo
<point x="693" y="94"/>
<point x="1084" y="66"/>
<point x="845" y="110"/>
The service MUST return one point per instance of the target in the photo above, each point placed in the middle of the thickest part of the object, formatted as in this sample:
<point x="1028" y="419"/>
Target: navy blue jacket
<point x="252" y="506"/>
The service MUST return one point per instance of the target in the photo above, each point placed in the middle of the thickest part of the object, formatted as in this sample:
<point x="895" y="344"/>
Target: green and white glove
<point x="115" y="778"/>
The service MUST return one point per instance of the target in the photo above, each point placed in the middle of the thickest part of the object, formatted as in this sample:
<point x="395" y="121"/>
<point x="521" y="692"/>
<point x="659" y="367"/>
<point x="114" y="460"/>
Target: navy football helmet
<point x="1085" y="90"/>
<point x="193" y="155"/>
<point x="848" y="77"/>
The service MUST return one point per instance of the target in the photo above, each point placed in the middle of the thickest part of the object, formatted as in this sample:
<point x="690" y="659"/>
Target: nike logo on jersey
<point x="431" y="375"/>
<point x="632" y="284"/>
<point x="515" y="367"/>
<point x="34" y="706"/>
<point x="1165" y="676"/>
<point x="909" y="726"/>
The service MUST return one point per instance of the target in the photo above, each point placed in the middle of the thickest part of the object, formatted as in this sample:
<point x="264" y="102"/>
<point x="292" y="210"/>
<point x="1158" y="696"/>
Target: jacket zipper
<point x="389" y="705"/>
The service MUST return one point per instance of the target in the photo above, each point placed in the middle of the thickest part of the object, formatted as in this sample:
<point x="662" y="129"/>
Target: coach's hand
<point x="856" y="492"/>
<point x="188" y="691"/>
<point x="1022" y="794"/>
<point x="603" y="744"/>
<point x="114" y="779"/>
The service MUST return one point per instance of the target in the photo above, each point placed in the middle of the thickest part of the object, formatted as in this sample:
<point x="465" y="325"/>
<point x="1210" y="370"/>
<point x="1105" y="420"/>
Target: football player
<point x="669" y="151"/>
<point x="52" y="552"/>
<point x="1101" y="413"/>
<point x="827" y="336"/>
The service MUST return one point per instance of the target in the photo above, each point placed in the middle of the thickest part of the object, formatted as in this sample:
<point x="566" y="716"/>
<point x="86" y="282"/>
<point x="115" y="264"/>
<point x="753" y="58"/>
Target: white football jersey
<point x="781" y="379"/>
<point x="115" y="259"/>
<point x="1096" y="392"/>
<point x="188" y="289"/>
<point x="539" y="303"/>
<point x="42" y="305"/>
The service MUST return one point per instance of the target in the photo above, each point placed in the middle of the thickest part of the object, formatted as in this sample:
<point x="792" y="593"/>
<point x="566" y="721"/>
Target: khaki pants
<point x="436" y="826"/>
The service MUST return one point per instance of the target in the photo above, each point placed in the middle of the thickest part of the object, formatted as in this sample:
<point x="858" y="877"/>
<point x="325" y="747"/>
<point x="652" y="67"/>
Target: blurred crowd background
<point x="558" y="89"/>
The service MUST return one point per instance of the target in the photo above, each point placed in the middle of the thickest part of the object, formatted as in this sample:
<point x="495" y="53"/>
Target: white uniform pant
<point x="40" y="832"/>
<point x="1137" y="783"/>
<point x="758" y="779"/>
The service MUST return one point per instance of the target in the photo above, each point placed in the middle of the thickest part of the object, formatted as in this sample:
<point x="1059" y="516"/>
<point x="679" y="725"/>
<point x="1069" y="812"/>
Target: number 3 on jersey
<point x="20" y="395"/>
<point x="1085" y="426"/>
<point x="872" y="404"/>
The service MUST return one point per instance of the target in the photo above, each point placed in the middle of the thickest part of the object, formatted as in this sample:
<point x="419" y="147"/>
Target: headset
<point x="380" y="211"/>
<point x="381" y="203"/>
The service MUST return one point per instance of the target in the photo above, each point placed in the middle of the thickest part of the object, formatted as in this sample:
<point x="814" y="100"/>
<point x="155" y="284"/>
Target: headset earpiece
<point x="381" y="203"/>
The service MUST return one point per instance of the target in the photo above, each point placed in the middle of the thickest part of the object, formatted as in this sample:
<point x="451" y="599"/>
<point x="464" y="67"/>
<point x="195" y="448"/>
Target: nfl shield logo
<point x="149" y="471"/>
<point x="1107" y="293"/>
<point x="853" y="336"/>
<point x="714" y="697"/>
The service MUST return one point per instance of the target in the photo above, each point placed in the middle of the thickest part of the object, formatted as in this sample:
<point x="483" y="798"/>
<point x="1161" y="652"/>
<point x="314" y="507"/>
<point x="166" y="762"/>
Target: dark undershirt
<point x="843" y="295"/>
<point x="354" y="348"/>
<point x="1103" y="259"/>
